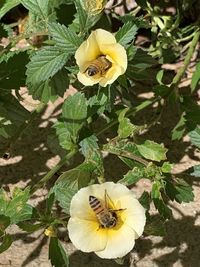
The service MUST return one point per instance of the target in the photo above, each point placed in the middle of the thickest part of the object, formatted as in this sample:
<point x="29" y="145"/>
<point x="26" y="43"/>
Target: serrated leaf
<point x="126" y="33"/>
<point x="50" y="89"/>
<point x="126" y="128"/>
<point x="179" y="190"/>
<point x="45" y="64"/>
<point x="143" y="60"/>
<point x="57" y="254"/>
<point x="195" y="77"/>
<point x="16" y="208"/>
<point x="132" y="176"/>
<point x="6" y="243"/>
<point x="195" y="136"/>
<point x="64" y="136"/>
<point x="38" y="7"/>
<point x="91" y="151"/>
<point x="74" y="112"/>
<point x="12" y="70"/>
<point x="9" y="4"/>
<point x="69" y="183"/>
<point x="86" y="20"/>
<point x="64" y="37"/>
<point x="196" y="171"/>
<point x="153" y="151"/>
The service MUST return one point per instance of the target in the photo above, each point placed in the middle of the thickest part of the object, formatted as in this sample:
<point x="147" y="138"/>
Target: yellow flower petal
<point x="134" y="214"/>
<point x="104" y="37"/>
<point x="111" y="75"/>
<point x="117" y="53"/>
<point x="88" y="81"/>
<point x="119" y="243"/>
<point x="87" y="51"/>
<point x="86" y="235"/>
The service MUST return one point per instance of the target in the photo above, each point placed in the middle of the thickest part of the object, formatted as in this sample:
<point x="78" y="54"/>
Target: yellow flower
<point x="102" y="44"/>
<point x="50" y="231"/>
<point x="86" y="229"/>
<point x="93" y="7"/>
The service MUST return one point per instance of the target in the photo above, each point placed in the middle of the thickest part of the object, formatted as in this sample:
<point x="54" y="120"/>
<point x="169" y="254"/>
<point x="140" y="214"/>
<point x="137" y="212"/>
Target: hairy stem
<point x="129" y="155"/>
<point x="50" y="174"/>
<point x="188" y="57"/>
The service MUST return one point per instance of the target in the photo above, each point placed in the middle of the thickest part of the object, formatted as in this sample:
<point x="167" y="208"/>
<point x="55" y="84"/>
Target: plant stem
<point x="129" y="155"/>
<point x="49" y="175"/>
<point x="188" y="57"/>
<point x="131" y="112"/>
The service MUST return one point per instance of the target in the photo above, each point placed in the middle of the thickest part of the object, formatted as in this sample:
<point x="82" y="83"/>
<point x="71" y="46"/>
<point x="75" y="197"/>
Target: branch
<point x="188" y="57"/>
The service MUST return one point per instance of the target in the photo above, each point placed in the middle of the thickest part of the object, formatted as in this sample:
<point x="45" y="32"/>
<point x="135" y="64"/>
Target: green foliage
<point x="15" y="208"/>
<point x="57" y="254"/>
<point x="153" y="151"/>
<point x="130" y="119"/>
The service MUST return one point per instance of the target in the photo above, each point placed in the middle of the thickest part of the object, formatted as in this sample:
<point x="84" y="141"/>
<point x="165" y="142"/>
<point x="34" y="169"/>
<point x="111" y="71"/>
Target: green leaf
<point x="64" y="136"/>
<point x="16" y="207"/>
<point x="51" y="88"/>
<point x="132" y="176"/>
<point x="179" y="129"/>
<point x="6" y="243"/>
<point x="91" y="151"/>
<point x="49" y="203"/>
<point x="74" y="111"/>
<point x="159" y="204"/>
<point x="86" y="21"/>
<point x="9" y="4"/>
<point x="45" y="64"/>
<point x="38" y="7"/>
<point x="166" y="167"/>
<point x="126" y="33"/>
<point x="29" y="227"/>
<point x="64" y="37"/>
<point x="195" y="77"/>
<point x="57" y="254"/>
<point x="4" y="222"/>
<point x="126" y="128"/>
<point x="153" y="151"/>
<point x="143" y="60"/>
<point x="179" y="190"/>
<point x="196" y="171"/>
<point x="12" y="70"/>
<point x="145" y="200"/>
<point x="195" y="136"/>
<point x="69" y="183"/>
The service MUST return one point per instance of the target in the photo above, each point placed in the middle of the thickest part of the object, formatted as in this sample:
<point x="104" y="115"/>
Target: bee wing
<point x="108" y="201"/>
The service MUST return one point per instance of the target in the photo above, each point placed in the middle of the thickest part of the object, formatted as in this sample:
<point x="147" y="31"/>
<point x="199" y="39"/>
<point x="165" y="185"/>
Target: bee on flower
<point x="100" y="59"/>
<point x="105" y="219"/>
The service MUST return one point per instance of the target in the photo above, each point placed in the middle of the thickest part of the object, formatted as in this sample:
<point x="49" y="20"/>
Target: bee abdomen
<point x="95" y="204"/>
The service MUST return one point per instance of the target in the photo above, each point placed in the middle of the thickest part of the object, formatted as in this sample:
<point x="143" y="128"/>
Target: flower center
<point x="100" y="65"/>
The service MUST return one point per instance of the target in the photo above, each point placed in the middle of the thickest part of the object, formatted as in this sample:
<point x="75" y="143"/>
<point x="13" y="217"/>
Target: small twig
<point x="128" y="155"/>
<point x="50" y="174"/>
<point x="186" y="62"/>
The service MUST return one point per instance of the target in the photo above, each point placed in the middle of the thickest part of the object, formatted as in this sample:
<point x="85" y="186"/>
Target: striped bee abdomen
<point x="95" y="204"/>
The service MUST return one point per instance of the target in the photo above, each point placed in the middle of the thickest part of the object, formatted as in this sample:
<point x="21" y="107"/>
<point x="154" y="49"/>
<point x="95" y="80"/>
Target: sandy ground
<point x="31" y="159"/>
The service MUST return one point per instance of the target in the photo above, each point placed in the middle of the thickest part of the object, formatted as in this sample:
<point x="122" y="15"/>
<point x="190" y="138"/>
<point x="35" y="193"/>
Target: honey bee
<point x="100" y="65"/>
<point x="106" y="217"/>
